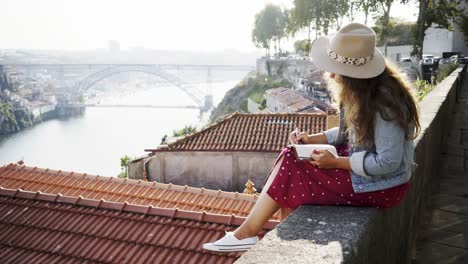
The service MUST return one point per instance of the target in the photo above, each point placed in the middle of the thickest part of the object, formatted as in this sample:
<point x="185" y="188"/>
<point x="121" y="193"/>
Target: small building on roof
<point x="64" y="217"/>
<point x="227" y="154"/>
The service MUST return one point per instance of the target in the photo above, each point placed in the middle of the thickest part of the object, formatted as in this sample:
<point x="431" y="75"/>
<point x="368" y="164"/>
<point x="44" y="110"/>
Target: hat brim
<point x="320" y="58"/>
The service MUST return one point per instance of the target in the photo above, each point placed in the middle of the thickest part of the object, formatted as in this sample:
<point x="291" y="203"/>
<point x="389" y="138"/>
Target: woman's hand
<point x="302" y="138"/>
<point x="324" y="159"/>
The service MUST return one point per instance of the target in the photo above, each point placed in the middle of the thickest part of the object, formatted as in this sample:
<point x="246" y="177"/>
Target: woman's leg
<point x="263" y="209"/>
<point x="285" y="212"/>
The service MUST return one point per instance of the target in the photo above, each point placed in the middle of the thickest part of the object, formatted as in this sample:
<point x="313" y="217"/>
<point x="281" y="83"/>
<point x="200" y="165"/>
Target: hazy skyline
<point x="202" y="25"/>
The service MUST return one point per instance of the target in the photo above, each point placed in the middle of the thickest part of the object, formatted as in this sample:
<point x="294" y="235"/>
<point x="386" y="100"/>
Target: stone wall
<point x="252" y="106"/>
<point x="228" y="171"/>
<point x="323" y="234"/>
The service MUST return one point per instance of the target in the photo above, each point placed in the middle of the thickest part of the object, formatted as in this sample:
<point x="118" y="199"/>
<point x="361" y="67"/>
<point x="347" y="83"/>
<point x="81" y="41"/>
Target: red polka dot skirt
<point x="301" y="183"/>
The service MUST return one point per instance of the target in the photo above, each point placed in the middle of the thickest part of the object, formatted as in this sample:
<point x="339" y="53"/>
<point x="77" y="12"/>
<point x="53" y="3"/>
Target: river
<point x="95" y="142"/>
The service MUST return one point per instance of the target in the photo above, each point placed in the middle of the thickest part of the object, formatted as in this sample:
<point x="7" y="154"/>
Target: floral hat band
<point x="351" y="61"/>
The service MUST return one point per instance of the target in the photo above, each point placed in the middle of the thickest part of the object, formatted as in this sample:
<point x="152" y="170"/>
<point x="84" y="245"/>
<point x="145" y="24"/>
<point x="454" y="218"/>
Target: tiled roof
<point x="249" y="132"/>
<point x="47" y="228"/>
<point x="126" y="191"/>
<point x="298" y="101"/>
<point x="289" y="97"/>
<point x="315" y="76"/>
<point x="305" y="106"/>
<point x="278" y="90"/>
<point x="64" y="217"/>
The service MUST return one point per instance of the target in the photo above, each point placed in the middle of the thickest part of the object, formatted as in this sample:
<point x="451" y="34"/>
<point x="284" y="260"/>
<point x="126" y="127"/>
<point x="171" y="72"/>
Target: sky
<point x="197" y="25"/>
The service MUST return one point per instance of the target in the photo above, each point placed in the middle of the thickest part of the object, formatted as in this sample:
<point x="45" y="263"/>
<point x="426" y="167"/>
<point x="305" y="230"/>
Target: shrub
<point x="424" y="87"/>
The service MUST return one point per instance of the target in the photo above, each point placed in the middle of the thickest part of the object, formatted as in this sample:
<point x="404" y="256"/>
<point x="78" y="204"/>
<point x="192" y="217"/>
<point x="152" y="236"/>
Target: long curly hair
<point x="387" y="94"/>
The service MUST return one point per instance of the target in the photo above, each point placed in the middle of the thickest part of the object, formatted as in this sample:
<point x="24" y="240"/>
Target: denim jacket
<point x="388" y="163"/>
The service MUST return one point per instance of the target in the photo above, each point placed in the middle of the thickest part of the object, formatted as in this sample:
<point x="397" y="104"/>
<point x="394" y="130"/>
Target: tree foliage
<point x="441" y="13"/>
<point x="187" y="130"/>
<point x="124" y="162"/>
<point x="332" y="13"/>
<point x="399" y="32"/>
<point x="365" y="6"/>
<point x="301" y="16"/>
<point x="269" y="28"/>
<point x="318" y="15"/>
<point x="463" y="25"/>
<point x="321" y="16"/>
<point x="302" y="47"/>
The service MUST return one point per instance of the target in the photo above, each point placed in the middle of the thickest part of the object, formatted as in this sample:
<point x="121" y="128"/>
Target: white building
<point x="439" y="40"/>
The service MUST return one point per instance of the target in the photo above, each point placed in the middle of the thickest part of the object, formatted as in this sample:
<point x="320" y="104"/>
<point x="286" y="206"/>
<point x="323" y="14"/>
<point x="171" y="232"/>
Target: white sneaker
<point x="230" y="243"/>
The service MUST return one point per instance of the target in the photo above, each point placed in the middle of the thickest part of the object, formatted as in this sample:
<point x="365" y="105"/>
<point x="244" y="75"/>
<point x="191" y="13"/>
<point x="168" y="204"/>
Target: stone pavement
<point x="444" y="238"/>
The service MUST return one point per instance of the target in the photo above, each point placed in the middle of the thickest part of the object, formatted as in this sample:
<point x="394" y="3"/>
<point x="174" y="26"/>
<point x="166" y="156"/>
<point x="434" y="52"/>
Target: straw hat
<point x="350" y="52"/>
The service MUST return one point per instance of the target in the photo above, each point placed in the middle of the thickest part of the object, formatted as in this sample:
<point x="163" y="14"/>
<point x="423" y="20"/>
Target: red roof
<point x="126" y="191"/>
<point x="46" y="228"/>
<point x="64" y="217"/>
<point x="250" y="132"/>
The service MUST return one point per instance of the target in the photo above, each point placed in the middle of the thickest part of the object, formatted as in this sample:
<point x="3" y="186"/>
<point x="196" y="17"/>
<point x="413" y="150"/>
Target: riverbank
<point x="15" y="120"/>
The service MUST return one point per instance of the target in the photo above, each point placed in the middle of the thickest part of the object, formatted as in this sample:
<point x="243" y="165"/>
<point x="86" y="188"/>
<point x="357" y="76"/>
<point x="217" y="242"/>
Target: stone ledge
<point x="331" y="234"/>
<point x="313" y="234"/>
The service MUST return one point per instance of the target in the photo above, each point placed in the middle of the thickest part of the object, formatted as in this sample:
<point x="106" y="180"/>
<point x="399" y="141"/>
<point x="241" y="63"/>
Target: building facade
<point x="229" y="153"/>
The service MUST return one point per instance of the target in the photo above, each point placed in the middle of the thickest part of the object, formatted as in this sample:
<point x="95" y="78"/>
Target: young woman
<point x="378" y="121"/>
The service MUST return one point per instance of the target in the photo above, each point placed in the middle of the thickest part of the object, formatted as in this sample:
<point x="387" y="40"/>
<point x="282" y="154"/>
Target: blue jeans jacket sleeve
<point x="332" y="135"/>
<point x="389" y="141"/>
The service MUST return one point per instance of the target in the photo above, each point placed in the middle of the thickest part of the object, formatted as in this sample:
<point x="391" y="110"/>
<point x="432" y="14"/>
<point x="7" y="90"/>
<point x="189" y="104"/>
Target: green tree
<point x="7" y="113"/>
<point x="281" y="32"/>
<point x="383" y="7"/>
<point x="187" y="130"/>
<point x="331" y="13"/>
<point x="399" y="32"/>
<point x="463" y="25"/>
<point x="365" y="6"/>
<point x="320" y="15"/>
<point x="301" y="16"/>
<point x="269" y="28"/>
<point x="302" y="47"/>
<point x="441" y="13"/>
<point x="124" y="162"/>
<point x="260" y="35"/>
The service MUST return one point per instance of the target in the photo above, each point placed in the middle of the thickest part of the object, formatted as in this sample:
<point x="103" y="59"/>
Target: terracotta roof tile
<point x="122" y="190"/>
<point x="249" y="132"/>
<point x="65" y="217"/>
<point x="37" y="227"/>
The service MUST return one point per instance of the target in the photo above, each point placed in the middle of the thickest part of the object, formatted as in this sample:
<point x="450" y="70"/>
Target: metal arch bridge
<point x="203" y="101"/>
<point x="198" y="96"/>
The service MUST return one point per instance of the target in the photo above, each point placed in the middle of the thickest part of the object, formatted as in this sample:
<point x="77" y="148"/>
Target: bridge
<point x="134" y="106"/>
<point x="96" y="72"/>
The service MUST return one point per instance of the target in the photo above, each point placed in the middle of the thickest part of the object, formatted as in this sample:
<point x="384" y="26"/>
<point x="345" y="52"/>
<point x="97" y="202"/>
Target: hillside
<point x="252" y="85"/>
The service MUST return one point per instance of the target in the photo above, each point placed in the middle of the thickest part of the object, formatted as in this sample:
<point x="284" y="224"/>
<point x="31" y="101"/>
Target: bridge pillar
<point x="208" y="102"/>
<point x="28" y="72"/>
<point x="60" y="76"/>
<point x="209" y="82"/>
<point x="3" y="82"/>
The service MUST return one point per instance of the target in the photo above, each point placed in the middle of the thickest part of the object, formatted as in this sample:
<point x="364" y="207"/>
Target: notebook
<point x="304" y="151"/>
